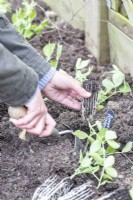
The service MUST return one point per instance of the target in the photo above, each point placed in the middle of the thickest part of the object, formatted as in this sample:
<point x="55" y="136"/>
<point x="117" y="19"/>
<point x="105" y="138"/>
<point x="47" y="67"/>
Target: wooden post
<point x="97" y="30"/>
<point x="121" y="41"/>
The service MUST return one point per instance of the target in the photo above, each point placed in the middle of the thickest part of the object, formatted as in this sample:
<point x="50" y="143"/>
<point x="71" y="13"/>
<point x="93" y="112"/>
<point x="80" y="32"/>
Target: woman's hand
<point x="37" y="120"/>
<point x="65" y="90"/>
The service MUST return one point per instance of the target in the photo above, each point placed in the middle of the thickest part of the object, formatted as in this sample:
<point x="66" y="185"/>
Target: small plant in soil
<point x="81" y="75"/>
<point x="4" y="7"/>
<point x="49" y="50"/>
<point x="131" y="193"/>
<point x="98" y="158"/>
<point x="24" y="17"/>
<point x="116" y="84"/>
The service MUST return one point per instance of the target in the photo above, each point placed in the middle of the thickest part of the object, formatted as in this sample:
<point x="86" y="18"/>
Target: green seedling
<point x="131" y="193"/>
<point x="4" y="7"/>
<point x="49" y="50"/>
<point x="114" y="85"/>
<point x="98" y="159"/>
<point x="23" y="20"/>
<point x="80" y="64"/>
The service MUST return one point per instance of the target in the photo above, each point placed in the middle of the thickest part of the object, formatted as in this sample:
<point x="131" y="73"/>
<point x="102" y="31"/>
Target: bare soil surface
<point x="27" y="164"/>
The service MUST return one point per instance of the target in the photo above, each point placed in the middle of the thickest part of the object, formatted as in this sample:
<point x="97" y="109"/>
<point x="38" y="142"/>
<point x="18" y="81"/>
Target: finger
<point x="79" y="90"/>
<point x="50" y="124"/>
<point x="32" y="124"/>
<point x="40" y="126"/>
<point x="24" y="120"/>
<point x="72" y="103"/>
<point x="29" y="117"/>
<point x="74" y="94"/>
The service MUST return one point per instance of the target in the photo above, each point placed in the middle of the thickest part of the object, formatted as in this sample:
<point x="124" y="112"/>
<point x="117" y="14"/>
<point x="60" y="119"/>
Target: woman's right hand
<point x="37" y="120"/>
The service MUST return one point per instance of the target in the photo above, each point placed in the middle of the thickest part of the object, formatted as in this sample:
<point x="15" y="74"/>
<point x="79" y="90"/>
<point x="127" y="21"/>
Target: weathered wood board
<point x="88" y="15"/>
<point x="129" y="9"/>
<point x="96" y="30"/>
<point x="121" y="49"/>
<point x="121" y="23"/>
<point x="72" y="11"/>
<point x="109" y="35"/>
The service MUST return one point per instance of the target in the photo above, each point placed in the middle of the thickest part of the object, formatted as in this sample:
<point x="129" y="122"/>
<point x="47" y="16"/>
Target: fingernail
<point x="87" y="94"/>
<point x="77" y="106"/>
<point x="10" y="120"/>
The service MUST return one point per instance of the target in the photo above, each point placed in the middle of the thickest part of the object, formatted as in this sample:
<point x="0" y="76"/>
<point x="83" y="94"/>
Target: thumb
<point x="80" y="90"/>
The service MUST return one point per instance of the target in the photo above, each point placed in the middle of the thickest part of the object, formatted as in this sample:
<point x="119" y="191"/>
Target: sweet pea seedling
<point x="80" y="64"/>
<point x="23" y="20"/>
<point x="99" y="159"/>
<point x="117" y="84"/>
<point x="49" y="50"/>
<point x="4" y="7"/>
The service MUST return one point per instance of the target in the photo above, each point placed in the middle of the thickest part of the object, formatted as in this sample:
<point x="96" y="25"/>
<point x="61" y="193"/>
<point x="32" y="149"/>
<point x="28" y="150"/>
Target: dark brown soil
<point x="27" y="164"/>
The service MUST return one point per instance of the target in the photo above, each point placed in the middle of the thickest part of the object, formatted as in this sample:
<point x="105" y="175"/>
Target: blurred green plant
<point x="114" y="85"/>
<point x="4" y="7"/>
<point x="80" y="64"/>
<point x="131" y="193"/>
<point x="23" y="20"/>
<point x="98" y="158"/>
<point x="49" y="50"/>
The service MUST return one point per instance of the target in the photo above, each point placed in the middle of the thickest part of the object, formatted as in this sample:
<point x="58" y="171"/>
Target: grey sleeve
<point x="18" y="82"/>
<point x="16" y="44"/>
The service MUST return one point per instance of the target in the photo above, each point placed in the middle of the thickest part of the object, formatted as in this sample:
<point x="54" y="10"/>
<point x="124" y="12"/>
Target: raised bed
<point x="108" y="30"/>
<point x="27" y="164"/>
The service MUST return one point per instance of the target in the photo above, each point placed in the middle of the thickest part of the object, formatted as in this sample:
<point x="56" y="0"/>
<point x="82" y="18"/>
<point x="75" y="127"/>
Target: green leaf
<point x="90" y="170"/>
<point x="99" y="125"/>
<point x="113" y="144"/>
<point x="14" y="18"/>
<point x="128" y="147"/>
<point x="97" y="158"/>
<point x="78" y="63"/>
<point x="131" y="193"/>
<point x="33" y="14"/>
<point x="104" y="182"/>
<point x="111" y="172"/>
<point x="90" y="139"/>
<point x="95" y="146"/>
<point x="125" y="89"/>
<point x="100" y="107"/>
<point x="108" y="84"/>
<point x="95" y="169"/>
<point x="102" y="96"/>
<point x="115" y="68"/>
<point x="53" y="63"/>
<point x="109" y="162"/>
<point x="101" y="151"/>
<point x="44" y="23"/>
<point x="81" y="157"/>
<point x="48" y="50"/>
<point x="106" y="176"/>
<point x="81" y="64"/>
<point x="102" y="92"/>
<point x="85" y="170"/>
<point x="59" y="51"/>
<point x="117" y="71"/>
<point x="101" y="133"/>
<point x="80" y="134"/>
<point x="86" y="162"/>
<point x="117" y="79"/>
<point x="110" y="150"/>
<point x="110" y="135"/>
